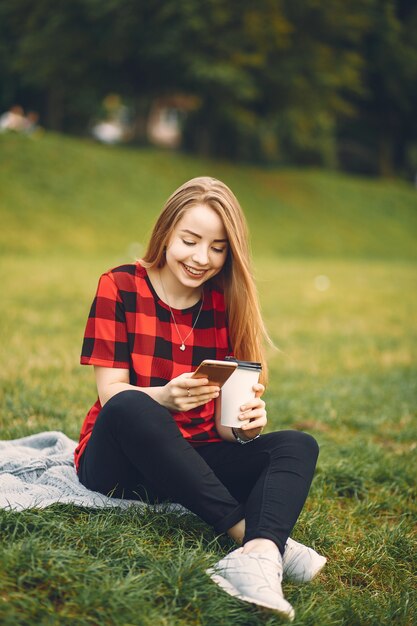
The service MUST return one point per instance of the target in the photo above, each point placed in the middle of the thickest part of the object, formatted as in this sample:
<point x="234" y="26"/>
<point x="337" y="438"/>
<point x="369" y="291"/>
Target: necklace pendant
<point x="182" y="346"/>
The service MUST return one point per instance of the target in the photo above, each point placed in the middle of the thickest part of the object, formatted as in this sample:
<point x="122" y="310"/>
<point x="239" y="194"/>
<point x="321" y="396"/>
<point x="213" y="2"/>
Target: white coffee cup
<point x="237" y="390"/>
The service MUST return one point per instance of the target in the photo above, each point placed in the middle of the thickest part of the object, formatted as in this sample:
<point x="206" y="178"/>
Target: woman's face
<point x="197" y="249"/>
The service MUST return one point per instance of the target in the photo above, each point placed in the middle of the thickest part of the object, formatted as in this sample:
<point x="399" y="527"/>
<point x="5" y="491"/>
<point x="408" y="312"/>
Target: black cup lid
<point x="245" y="365"/>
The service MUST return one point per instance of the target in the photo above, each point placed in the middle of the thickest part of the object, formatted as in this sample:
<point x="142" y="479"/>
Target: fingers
<point x="259" y="390"/>
<point x="191" y="393"/>
<point x="253" y="413"/>
<point x="256" y="423"/>
<point x="191" y="402"/>
<point x="200" y="398"/>
<point x="196" y="383"/>
<point x="199" y="387"/>
<point x="250" y="416"/>
<point x="252" y="405"/>
<point x="252" y="433"/>
<point x="204" y="390"/>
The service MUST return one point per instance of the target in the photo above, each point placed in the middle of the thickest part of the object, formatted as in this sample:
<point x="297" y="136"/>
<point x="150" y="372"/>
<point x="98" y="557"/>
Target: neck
<point x="178" y="296"/>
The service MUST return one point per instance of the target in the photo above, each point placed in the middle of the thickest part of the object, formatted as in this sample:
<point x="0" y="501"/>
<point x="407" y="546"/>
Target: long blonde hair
<point x="246" y="328"/>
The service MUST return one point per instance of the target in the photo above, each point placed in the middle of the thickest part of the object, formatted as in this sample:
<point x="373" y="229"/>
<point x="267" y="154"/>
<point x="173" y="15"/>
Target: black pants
<point x="137" y="451"/>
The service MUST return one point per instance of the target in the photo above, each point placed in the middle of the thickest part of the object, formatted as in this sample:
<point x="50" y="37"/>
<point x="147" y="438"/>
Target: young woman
<point x="153" y="433"/>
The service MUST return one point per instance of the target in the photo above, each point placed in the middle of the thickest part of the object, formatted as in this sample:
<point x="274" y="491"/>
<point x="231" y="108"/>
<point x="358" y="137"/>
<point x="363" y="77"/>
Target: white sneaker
<point x="253" y="577"/>
<point x="300" y="563"/>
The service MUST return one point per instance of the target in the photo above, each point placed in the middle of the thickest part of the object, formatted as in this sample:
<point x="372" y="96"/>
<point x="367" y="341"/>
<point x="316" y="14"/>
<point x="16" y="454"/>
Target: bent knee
<point x="132" y="411"/>
<point x="306" y="440"/>
<point x="297" y="439"/>
<point x="130" y="405"/>
<point x="129" y="399"/>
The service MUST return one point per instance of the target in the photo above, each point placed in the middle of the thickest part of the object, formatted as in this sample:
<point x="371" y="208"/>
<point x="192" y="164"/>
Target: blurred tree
<point x="310" y="70"/>
<point x="169" y="46"/>
<point x="274" y="76"/>
<point x="388" y="111"/>
<point x="276" y="80"/>
<point x="51" y="53"/>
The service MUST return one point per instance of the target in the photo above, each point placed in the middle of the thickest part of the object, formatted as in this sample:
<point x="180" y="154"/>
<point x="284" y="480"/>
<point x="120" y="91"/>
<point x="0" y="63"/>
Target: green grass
<point x="345" y="372"/>
<point x="90" y="199"/>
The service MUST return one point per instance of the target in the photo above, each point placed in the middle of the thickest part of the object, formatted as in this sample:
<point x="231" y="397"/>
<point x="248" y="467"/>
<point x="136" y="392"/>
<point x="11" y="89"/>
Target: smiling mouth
<point x="193" y="272"/>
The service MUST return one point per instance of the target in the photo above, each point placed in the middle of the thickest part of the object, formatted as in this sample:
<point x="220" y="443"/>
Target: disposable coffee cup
<point x="237" y="390"/>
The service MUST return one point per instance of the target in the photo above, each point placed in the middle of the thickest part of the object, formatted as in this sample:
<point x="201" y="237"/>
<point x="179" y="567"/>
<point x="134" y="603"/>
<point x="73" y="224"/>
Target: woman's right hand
<point x="184" y="393"/>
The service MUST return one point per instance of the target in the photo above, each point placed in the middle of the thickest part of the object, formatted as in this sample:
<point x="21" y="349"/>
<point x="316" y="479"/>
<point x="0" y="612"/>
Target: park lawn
<point x="338" y="295"/>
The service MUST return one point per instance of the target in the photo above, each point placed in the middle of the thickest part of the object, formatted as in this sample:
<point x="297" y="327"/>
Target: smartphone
<point x="217" y="372"/>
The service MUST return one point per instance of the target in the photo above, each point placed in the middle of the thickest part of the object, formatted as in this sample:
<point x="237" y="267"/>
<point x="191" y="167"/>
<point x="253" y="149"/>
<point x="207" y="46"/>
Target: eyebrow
<point x="190" y="232"/>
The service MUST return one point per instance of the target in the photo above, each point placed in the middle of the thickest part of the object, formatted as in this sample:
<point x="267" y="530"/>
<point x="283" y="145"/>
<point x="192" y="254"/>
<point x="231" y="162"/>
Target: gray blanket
<point x="38" y="471"/>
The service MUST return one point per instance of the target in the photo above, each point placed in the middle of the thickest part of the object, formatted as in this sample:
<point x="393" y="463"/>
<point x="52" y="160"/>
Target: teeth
<point x="193" y="271"/>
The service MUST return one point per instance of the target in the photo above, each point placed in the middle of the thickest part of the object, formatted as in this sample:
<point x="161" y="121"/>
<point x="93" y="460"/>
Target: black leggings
<point x="137" y="451"/>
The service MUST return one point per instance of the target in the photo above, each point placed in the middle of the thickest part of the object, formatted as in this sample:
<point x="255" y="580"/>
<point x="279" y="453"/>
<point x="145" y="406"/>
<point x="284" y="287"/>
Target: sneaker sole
<point x="232" y="591"/>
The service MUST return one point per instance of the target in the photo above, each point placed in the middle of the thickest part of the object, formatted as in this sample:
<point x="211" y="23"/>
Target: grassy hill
<point x="335" y="260"/>
<point x="60" y="194"/>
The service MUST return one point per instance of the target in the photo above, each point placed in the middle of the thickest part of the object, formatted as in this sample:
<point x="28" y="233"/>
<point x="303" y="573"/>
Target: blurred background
<point x="307" y="82"/>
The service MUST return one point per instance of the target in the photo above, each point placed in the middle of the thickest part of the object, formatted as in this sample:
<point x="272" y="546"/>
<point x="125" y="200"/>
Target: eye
<point x="188" y="243"/>
<point x="219" y="250"/>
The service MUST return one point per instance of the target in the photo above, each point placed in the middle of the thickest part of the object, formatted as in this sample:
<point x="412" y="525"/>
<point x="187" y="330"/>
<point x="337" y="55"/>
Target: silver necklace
<point x="182" y="346"/>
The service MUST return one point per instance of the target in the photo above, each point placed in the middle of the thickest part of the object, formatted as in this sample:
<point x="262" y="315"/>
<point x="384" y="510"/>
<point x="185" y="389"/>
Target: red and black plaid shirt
<point x="130" y="327"/>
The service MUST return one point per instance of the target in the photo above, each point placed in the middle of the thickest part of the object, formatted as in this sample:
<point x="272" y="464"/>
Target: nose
<point x="200" y="255"/>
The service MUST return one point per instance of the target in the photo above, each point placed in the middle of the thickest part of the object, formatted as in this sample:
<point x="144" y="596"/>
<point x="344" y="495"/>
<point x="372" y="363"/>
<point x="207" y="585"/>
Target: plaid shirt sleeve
<point x="105" y="338"/>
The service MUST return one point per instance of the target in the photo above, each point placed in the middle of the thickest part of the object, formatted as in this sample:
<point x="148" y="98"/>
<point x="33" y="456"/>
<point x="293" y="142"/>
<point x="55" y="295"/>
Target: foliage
<point x="387" y="125"/>
<point x="283" y="81"/>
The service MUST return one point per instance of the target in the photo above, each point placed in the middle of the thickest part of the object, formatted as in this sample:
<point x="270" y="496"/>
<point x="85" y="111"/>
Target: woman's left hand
<point x="253" y="410"/>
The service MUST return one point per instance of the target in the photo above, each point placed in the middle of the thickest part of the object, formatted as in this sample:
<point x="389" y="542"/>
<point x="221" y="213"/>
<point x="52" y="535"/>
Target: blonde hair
<point x="246" y="328"/>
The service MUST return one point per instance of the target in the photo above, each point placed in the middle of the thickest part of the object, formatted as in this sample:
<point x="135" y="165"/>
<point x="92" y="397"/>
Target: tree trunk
<point x="204" y="142"/>
<point x="141" y="110"/>
<point x="385" y="155"/>
<point x="54" y="108"/>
